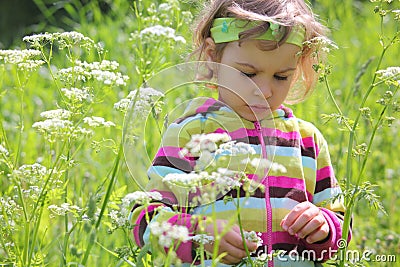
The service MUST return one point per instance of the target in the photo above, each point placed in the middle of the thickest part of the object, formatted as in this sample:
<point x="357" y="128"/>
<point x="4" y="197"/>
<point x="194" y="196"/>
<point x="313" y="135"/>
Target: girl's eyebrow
<point x="246" y="65"/>
<point x="287" y="69"/>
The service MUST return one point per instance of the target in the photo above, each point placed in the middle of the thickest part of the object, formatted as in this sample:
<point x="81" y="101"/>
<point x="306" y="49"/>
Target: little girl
<point x="262" y="40"/>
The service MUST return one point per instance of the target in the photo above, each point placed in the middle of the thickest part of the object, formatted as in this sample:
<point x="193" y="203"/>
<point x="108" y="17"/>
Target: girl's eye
<point x="280" y="78"/>
<point x="250" y="75"/>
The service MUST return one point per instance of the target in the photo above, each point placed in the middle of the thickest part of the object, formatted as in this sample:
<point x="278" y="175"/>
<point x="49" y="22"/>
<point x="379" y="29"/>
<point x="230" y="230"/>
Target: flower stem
<point x="104" y="205"/>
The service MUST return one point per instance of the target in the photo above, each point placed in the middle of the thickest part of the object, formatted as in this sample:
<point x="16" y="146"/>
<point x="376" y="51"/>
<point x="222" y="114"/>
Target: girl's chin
<point x="255" y="116"/>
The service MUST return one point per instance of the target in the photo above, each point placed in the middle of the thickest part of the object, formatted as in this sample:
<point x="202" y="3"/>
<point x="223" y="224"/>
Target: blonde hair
<point x="287" y="13"/>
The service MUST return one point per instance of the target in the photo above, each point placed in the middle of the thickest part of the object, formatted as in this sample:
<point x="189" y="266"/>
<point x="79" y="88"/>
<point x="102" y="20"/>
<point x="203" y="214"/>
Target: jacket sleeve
<point x="326" y="188"/>
<point x="170" y="208"/>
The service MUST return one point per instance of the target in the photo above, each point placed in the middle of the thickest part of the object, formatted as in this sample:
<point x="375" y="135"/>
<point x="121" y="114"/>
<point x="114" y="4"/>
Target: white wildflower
<point x="396" y="14"/>
<point x="51" y="125"/>
<point x="18" y="56"/>
<point x="3" y="150"/>
<point x="122" y="105"/>
<point x="118" y="219"/>
<point x="201" y="142"/>
<point x="97" y="121"/>
<point x="75" y="94"/>
<point x="145" y="98"/>
<point x="160" y="31"/>
<point x="203" y="239"/>
<point x="233" y="148"/>
<point x="67" y="39"/>
<point x="30" y="65"/>
<point x="56" y="114"/>
<point x="389" y="72"/>
<point x="321" y="42"/>
<point x="104" y="71"/>
<point x="188" y="180"/>
<point x="38" y="38"/>
<point x="164" y="7"/>
<point x="64" y="208"/>
<point x="141" y="197"/>
<point x="59" y="129"/>
<point x="34" y="170"/>
<point x="253" y="237"/>
<point x="168" y="233"/>
<point x="262" y="163"/>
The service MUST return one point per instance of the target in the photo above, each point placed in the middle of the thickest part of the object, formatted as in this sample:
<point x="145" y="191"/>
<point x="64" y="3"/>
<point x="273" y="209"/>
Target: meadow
<point x="66" y="168"/>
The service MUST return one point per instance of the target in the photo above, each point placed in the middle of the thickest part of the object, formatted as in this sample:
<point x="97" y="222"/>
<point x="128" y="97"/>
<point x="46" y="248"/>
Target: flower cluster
<point x="104" y="71"/>
<point x="25" y="60"/>
<point x="157" y="31"/>
<point x="10" y="213"/>
<point x="167" y="233"/>
<point x="202" y="239"/>
<point x="144" y="100"/>
<point x="262" y="163"/>
<point x="204" y="142"/>
<point x="58" y="126"/>
<point x="390" y="75"/>
<point x="64" y="39"/>
<point x="65" y="208"/>
<point x="321" y="43"/>
<point x="77" y="95"/>
<point x="253" y="237"/>
<point x="97" y="122"/>
<point x="220" y="181"/>
<point x="3" y="150"/>
<point x="234" y="148"/>
<point x="141" y="197"/>
<point x="56" y="114"/>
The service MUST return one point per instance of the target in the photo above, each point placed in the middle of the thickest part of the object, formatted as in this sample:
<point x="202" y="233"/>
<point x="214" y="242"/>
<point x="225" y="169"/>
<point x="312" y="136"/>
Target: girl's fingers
<point x="296" y="218"/>
<point x="234" y="254"/>
<point x="316" y="221"/>
<point x="228" y="259"/>
<point x="319" y="234"/>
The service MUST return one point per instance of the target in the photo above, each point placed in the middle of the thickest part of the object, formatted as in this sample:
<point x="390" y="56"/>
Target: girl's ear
<point x="209" y="50"/>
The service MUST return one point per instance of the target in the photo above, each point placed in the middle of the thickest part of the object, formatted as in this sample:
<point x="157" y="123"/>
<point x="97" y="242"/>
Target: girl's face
<point x="256" y="81"/>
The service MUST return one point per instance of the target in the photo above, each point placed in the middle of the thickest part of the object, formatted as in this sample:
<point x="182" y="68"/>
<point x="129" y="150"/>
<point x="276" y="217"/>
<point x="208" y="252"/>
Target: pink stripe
<point x="204" y="108"/>
<point x="243" y="132"/>
<point x="286" y="182"/>
<point x="309" y="142"/>
<point x="168" y="151"/>
<point x="142" y="216"/>
<point x="324" y="173"/>
<point x="280" y="237"/>
<point x="184" y="251"/>
<point x="171" y="151"/>
<point x="166" y="194"/>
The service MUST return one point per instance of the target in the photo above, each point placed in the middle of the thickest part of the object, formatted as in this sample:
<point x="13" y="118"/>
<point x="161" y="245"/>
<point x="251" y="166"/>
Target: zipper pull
<point x="257" y="126"/>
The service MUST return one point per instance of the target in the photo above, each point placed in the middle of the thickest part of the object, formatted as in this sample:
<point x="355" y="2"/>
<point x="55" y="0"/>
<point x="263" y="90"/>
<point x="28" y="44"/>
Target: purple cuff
<point x="184" y="251"/>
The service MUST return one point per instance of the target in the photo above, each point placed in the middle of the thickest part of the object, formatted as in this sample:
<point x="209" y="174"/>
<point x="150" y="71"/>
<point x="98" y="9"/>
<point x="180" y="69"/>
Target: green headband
<point x="228" y="30"/>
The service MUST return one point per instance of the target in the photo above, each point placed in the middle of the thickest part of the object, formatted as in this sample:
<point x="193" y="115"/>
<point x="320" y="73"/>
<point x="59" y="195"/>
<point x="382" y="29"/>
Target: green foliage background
<point x="354" y="27"/>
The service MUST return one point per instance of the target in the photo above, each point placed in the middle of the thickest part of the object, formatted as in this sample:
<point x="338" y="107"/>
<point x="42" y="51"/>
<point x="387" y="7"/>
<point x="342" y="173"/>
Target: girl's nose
<point x="264" y="91"/>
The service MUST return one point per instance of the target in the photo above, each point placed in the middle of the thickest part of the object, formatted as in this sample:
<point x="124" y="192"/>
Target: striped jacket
<point x="295" y="144"/>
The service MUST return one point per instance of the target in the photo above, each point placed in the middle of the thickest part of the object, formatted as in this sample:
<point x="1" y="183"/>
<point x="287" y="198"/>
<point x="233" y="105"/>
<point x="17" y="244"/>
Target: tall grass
<point x="92" y="175"/>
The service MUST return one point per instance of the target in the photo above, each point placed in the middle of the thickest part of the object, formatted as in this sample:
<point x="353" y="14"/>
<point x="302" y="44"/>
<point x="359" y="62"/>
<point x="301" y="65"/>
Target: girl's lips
<point x="258" y="107"/>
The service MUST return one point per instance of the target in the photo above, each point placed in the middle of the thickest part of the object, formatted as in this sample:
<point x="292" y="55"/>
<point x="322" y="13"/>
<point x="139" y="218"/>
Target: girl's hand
<point x="307" y="221"/>
<point x="231" y="243"/>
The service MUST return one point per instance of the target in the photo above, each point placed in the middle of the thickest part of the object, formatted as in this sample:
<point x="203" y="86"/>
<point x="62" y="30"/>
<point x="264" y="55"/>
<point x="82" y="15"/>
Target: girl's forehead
<point x="249" y="52"/>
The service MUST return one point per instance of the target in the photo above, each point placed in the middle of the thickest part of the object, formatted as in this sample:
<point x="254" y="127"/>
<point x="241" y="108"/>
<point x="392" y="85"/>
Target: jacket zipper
<point x="258" y="127"/>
